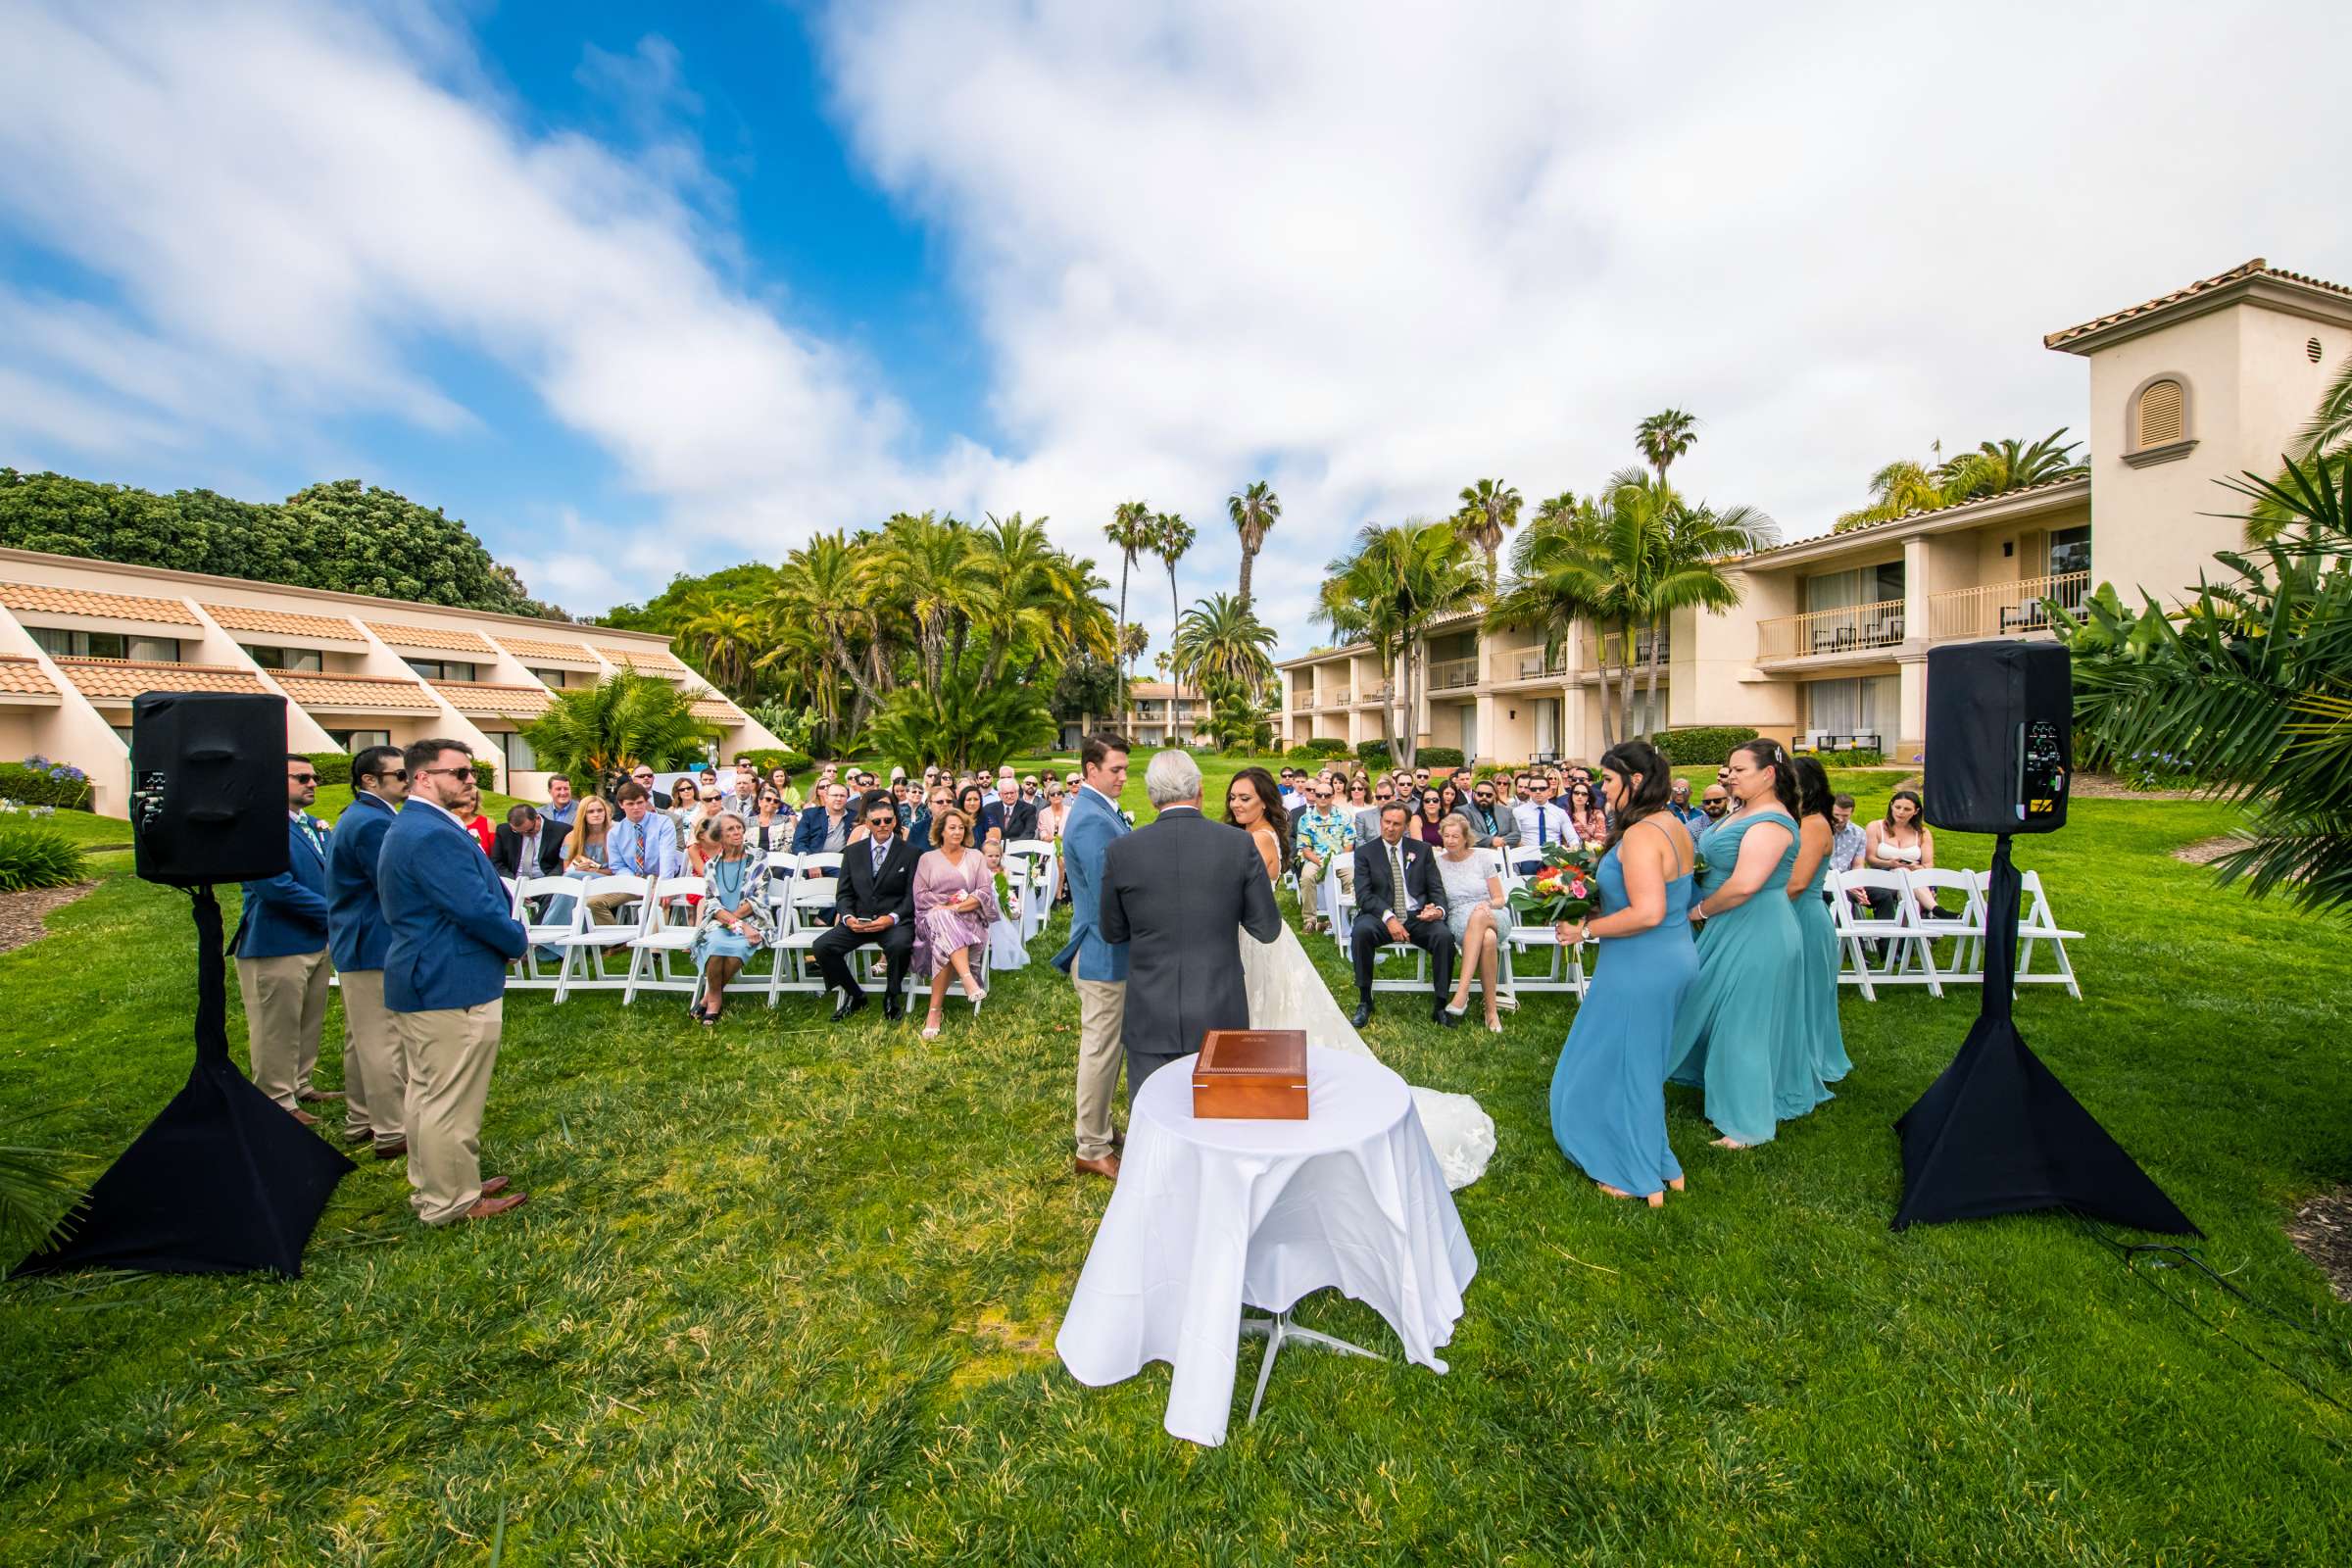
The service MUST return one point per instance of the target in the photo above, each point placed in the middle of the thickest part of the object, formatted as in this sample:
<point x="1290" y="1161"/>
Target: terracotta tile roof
<point x="642" y="657"/>
<point x="24" y="677"/>
<point x="2257" y="268"/>
<point x="119" y="680"/>
<point x="84" y="602"/>
<point x="719" y="708"/>
<point x="528" y="649"/>
<point x="482" y="697"/>
<point x="2079" y="482"/>
<point x="402" y="634"/>
<point x="244" y="617"/>
<point x="313" y="690"/>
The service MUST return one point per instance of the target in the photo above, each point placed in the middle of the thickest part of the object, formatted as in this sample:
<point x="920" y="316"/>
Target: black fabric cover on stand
<point x="1998" y="1134"/>
<point x="223" y="1182"/>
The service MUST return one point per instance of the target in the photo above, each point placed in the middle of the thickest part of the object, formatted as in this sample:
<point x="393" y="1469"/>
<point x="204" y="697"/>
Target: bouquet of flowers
<point x="1564" y="888"/>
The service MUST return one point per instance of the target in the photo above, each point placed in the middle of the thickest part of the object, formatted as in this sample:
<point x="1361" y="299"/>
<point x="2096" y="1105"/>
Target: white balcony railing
<point x="1602" y="648"/>
<point x="1849" y="629"/>
<point x="1301" y="702"/>
<point x="1453" y="674"/>
<point x="2004" y="609"/>
<point x="1529" y="664"/>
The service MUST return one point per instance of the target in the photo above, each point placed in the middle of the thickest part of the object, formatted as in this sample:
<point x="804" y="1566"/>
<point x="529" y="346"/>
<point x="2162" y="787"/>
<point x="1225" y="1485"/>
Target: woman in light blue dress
<point x="1816" y="994"/>
<point x="1608" y="1093"/>
<point x="1738" y="1035"/>
<point x="733" y="919"/>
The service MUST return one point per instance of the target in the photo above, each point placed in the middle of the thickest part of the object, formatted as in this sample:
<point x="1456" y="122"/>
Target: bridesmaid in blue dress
<point x="1736" y="1035"/>
<point x="1608" y="1093"/>
<point x="1817" y="1010"/>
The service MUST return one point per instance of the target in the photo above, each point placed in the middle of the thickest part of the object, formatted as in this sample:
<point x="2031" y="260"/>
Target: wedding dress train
<point x="1287" y="992"/>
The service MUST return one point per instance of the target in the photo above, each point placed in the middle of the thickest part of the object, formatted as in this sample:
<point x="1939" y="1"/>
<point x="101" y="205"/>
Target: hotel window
<point x="59" y="643"/>
<point x="354" y="741"/>
<point x="442" y="668"/>
<point x="518" y="751"/>
<point x="286" y="659"/>
<point x="1870" y="705"/>
<point x="557" y="678"/>
<point x="2160" y="417"/>
<point x="2070" y="551"/>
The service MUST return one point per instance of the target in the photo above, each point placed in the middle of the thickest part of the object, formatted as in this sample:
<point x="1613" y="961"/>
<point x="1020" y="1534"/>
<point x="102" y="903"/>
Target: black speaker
<point x="2000" y="737"/>
<point x="207" y="786"/>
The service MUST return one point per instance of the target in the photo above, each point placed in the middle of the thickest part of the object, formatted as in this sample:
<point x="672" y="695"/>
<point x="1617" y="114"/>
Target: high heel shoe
<point x="1457" y="1008"/>
<point x="1493" y="1026"/>
<point x="931" y="1027"/>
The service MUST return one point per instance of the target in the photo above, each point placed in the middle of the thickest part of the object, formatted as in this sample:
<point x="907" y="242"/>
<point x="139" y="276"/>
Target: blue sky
<point x="644" y="289"/>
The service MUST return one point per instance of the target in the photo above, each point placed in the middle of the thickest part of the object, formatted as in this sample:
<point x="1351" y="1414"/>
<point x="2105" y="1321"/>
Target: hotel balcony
<point x="1371" y="697"/>
<point x="1824" y="633"/>
<point x="1301" y="702"/>
<point x="1453" y="675"/>
<point x="2006" y="609"/>
<point x="1337" y="696"/>
<point x="1604" y="651"/>
<point x="1531" y="664"/>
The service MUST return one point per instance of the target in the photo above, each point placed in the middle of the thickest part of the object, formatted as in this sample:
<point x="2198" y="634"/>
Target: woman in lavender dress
<point x="955" y="904"/>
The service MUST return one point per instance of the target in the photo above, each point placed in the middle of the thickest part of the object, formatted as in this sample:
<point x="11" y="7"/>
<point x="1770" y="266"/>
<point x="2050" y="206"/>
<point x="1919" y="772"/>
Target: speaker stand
<point x="222" y="1182"/>
<point x="1998" y="1134"/>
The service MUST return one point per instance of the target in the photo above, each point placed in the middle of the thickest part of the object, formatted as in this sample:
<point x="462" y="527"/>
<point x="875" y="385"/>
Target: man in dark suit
<point x="1177" y="892"/>
<point x="525" y="844"/>
<point x="280" y="944"/>
<point x="445" y="980"/>
<point x="375" y="1075"/>
<point x="874" y="902"/>
<point x="1398" y="898"/>
<point x="1019" y="813"/>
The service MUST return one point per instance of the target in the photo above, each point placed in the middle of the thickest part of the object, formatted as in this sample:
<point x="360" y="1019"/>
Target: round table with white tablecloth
<point x="1210" y="1214"/>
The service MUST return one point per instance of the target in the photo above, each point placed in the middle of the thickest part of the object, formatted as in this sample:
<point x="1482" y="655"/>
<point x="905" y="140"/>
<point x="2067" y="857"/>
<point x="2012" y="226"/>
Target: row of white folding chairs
<point x="1906" y="943"/>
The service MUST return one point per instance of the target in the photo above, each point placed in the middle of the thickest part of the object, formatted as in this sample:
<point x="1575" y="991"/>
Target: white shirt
<point x="1541" y="827"/>
<point x="1292" y="799"/>
<point x="418" y="799"/>
<point x="1100" y="795"/>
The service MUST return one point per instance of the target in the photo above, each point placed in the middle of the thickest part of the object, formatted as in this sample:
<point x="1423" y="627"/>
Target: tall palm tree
<point x="1997" y="466"/>
<point x="724" y="639"/>
<point x="1221" y="639"/>
<point x="1254" y="512"/>
<point x="825" y="631"/>
<point x="1900" y="487"/>
<point x="1687" y="572"/>
<point x="1041" y="606"/>
<point x="925" y="573"/>
<point x="1577" y="565"/>
<point x="590" y="733"/>
<point x="1131" y="530"/>
<point x="1489" y="509"/>
<point x="1398" y="580"/>
<point x="1663" y="437"/>
<point x="1171" y="537"/>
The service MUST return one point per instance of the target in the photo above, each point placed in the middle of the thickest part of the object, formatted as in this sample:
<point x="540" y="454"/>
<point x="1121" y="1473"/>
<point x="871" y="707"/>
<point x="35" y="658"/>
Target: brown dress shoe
<point x="494" y="1186"/>
<point x="489" y="1208"/>
<point x="393" y="1150"/>
<point x="1107" y="1167"/>
<point x="303" y="1116"/>
<point x="316" y="1097"/>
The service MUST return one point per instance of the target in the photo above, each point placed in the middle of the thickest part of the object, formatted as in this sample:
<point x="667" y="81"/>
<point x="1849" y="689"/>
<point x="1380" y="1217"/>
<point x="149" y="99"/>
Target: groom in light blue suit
<point x="1098" y="968"/>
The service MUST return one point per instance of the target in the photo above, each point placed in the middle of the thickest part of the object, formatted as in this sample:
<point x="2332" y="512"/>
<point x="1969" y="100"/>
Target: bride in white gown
<point x="1287" y="992"/>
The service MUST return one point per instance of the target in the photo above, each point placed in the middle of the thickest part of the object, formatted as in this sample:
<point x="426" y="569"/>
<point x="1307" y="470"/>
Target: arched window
<point x="2160" y="416"/>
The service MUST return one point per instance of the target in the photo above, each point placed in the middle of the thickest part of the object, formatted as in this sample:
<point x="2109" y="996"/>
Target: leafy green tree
<point x="589" y="733"/>
<point x="1663" y="437"/>
<point x="1255" y="512"/>
<point x="1490" y="510"/>
<point x="1087" y="686"/>
<point x="1131" y="530"/>
<point x="1220" y="639"/>
<point x="2247" y="687"/>
<point x="1399" y="579"/>
<point x="960" y="722"/>
<point x="1992" y="468"/>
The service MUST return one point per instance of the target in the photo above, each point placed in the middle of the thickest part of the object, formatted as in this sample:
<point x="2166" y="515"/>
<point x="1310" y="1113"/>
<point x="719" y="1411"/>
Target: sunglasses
<point x="304" y="778"/>
<point x="1713" y="806"/>
<point x="885" y="821"/>
<point x="391" y="773"/>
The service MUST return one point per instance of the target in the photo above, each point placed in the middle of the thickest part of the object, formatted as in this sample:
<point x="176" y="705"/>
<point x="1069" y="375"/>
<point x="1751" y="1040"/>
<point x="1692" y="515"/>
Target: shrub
<point x="37" y="781"/>
<point x="1859" y="756"/>
<point x="332" y="767"/>
<point x="1703" y="743"/>
<point x="485" y="772"/>
<point x="1375" y="753"/>
<point x="38" y="857"/>
<point x="769" y="758"/>
<point x="1438" y="756"/>
<point x="1323" y="746"/>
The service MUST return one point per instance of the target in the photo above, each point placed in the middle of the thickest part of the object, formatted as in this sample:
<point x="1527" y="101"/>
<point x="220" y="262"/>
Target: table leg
<point x="1277" y="1329"/>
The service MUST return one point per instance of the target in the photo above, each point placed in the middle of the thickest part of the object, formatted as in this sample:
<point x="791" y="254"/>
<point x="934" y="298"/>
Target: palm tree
<point x="1398" y="580"/>
<point x="1133" y="641"/>
<point x="1577" y="565"/>
<point x="1171" y="537"/>
<point x="1221" y="639"/>
<point x="1997" y="466"/>
<point x="1663" y="437"/>
<point x="2322" y="443"/>
<point x="1901" y="487"/>
<point x="1687" y="572"/>
<point x="1489" y="509"/>
<point x="590" y="733"/>
<point x="1130" y="532"/>
<point x="724" y="639"/>
<point x="825" y="629"/>
<point x="1041" y="606"/>
<point x="1253" y="513"/>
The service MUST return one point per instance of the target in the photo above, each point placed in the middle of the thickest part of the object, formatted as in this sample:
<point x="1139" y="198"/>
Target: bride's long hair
<point x="1269" y="794"/>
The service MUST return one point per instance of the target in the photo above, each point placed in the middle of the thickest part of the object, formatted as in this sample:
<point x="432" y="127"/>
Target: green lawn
<point x="788" y="1293"/>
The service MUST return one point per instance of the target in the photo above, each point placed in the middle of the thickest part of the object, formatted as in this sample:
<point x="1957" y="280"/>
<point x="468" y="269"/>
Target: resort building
<point x="1829" y="641"/>
<point x="1155" y="717"/>
<point x="80" y="639"/>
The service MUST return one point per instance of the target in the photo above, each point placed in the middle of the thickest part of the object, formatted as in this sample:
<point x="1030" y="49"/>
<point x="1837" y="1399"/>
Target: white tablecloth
<point x="1209" y="1214"/>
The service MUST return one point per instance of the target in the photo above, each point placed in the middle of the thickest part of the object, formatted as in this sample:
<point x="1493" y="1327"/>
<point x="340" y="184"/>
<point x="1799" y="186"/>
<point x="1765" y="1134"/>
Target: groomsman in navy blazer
<point x="281" y="954"/>
<point x="1097" y="967"/>
<point x="376" y="1079"/>
<point x="445" y="980"/>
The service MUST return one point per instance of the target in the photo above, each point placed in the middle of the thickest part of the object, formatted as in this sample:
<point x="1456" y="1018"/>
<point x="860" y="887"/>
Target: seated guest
<point x="780" y="780"/>
<point x="1714" y="806"/>
<point x="1326" y="847"/>
<point x="1019" y="813"/>
<point x="559" y="804"/>
<point x="708" y="806"/>
<point x="1292" y="801"/>
<point x="873" y="904"/>
<point x="1399" y="898"/>
<point x="642" y="777"/>
<point x="584" y="853"/>
<point x="771" y="826"/>
<point x="1428" y="817"/>
<point x="915" y="826"/>
<point x="955" y="904"/>
<point x="1584" y="813"/>
<point x="742" y="797"/>
<point x="1686" y="812"/>
<point x="483" y="832"/>
<point x="825" y="826"/>
<point x="1051" y="810"/>
<point x="1848" y="842"/>
<point x="982" y="818"/>
<point x="1900" y="841"/>
<point x="733" y="919"/>
<point x="640" y="844"/>
<point x="525" y="846"/>
<point x="1542" y="824"/>
<point x="1494" y="823"/>
<point x="1476" y="914"/>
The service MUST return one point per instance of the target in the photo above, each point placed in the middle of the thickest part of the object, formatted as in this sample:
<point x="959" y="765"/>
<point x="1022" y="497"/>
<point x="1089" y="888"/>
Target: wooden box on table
<point x="1251" y="1075"/>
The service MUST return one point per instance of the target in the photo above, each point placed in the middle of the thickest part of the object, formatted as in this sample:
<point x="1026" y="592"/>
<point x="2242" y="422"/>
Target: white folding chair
<point x="1506" y="984"/>
<point x="1965" y="929"/>
<point x="669" y="924"/>
<point x="1853" y="929"/>
<point x="584" y="947"/>
<point x="2036" y="923"/>
<point x="1904" y="960"/>
<point x="538" y="929"/>
<point x="791" y="970"/>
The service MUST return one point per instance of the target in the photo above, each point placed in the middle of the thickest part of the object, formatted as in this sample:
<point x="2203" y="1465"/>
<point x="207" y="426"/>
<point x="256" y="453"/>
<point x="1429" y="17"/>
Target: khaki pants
<point x="448" y="1054"/>
<point x="285" y="1008"/>
<point x="605" y="908"/>
<point x="1310" y="894"/>
<point x="1101" y="1026"/>
<point x="375" y="1072"/>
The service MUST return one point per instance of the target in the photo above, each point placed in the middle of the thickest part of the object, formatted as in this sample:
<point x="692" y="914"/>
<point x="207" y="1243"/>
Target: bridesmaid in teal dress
<point x="1738" y="1035"/>
<point x="1608" y="1093"/>
<point x="1817" y="1010"/>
